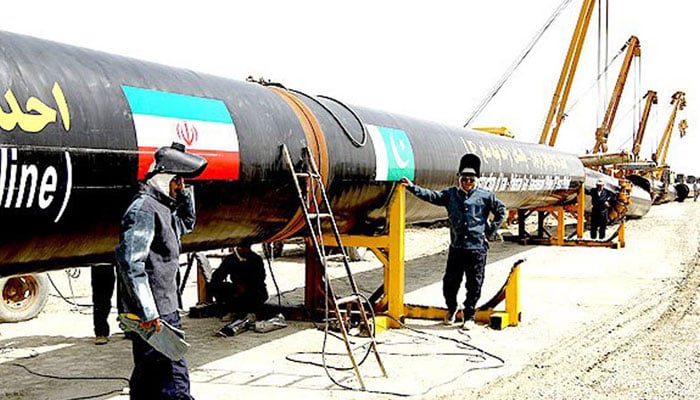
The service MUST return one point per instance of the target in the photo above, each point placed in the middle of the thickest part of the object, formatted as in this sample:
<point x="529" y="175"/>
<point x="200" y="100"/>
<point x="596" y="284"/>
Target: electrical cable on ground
<point x="280" y="295"/>
<point x="71" y="378"/>
<point x="73" y="303"/>
<point x="480" y="356"/>
<point x="460" y="343"/>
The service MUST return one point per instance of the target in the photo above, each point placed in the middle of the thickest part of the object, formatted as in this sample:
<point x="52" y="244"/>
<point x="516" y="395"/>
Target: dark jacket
<point x="149" y="250"/>
<point x="600" y="201"/>
<point x="467" y="212"/>
<point x="247" y="278"/>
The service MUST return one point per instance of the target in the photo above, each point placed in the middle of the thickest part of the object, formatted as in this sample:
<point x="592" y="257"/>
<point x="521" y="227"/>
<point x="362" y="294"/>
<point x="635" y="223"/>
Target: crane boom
<point x="603" y="131"/>
<point x="652" y="98"/>
<point x="566" y="78"/>
<point x="678" y="102"/>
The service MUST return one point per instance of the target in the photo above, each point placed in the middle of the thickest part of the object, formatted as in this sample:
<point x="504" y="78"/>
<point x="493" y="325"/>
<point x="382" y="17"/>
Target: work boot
<point x="450" y="318"/>
<point x="228" y="317"/>
<point x="100" y="340"/>
<point x="468" y="325"/>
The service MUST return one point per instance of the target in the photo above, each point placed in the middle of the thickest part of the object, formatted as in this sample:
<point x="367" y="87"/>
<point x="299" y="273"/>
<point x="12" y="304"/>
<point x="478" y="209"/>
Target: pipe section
<point x="598" y="159"/>
<point x="78" y="129"/>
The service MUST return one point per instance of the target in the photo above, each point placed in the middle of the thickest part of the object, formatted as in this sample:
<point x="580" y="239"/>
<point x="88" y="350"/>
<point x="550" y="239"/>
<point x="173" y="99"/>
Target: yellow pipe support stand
<point x="510" y="293"/>
<point x="394" y="274"/>
<point x="561" y="227"/>
<point x="389" y="249"/>
<point x="580" y="212"/>
<point x="513" y="296"/>
<point x="620" y="235"/>
<point x="559" y="237"/>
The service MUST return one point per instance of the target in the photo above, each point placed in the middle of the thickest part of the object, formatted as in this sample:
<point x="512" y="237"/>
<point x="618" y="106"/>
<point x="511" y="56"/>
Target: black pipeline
<point x="80" y="151"/>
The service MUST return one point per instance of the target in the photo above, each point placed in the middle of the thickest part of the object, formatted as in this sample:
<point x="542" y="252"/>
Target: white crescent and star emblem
<point x="397" y="154"/>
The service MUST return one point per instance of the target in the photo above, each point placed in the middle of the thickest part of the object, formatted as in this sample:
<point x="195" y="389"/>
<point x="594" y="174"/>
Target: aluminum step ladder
<point x="308" y="183"/>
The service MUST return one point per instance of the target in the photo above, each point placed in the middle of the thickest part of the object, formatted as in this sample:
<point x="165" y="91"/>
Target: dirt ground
<point x="597" y="323"/>
<point x="646" y="349"/>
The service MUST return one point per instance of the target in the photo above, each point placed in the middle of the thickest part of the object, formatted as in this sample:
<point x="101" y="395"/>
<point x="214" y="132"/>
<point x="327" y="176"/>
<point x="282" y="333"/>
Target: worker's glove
<point x="153" y="324"/>
<point x="182" y="196"/>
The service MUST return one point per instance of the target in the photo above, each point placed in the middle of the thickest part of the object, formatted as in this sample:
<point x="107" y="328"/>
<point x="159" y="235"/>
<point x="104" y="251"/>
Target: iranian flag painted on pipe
<point x="203" y="125"/>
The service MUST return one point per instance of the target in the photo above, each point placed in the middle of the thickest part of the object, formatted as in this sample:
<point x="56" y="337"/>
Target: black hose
<point x="64" y="297"/>
<point x="268" y="256"/>
<point x="357" y="117"/>
<point x="337" y="119"/>
<point x="74" y="378"/>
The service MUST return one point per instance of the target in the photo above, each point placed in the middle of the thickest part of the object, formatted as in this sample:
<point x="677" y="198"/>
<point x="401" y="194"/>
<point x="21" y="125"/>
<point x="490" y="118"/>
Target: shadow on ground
<point x="71" y="368"/>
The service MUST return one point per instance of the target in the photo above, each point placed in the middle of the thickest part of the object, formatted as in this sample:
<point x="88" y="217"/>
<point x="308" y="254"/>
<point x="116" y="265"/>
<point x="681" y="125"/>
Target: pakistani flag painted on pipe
<point x="393" y="153"/>
<point x="202" y="124"/>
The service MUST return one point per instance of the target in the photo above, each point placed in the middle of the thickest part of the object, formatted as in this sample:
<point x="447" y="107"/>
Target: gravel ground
<point x="648" y="348"/>
<point x="597" y="324"/>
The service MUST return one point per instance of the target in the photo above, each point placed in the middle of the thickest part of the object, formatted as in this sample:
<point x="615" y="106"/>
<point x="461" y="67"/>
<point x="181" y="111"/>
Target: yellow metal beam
<point x="358" y="241"/>
<point x="393" y="245"/>
<point x="380" y="256"/>
<point x="496" y="130"/>
<point x="394" y="276"/>
<point x="580" y="211"/>
<point x="510" y="295"/>
<point x="561" y="93"/>
<point x="513" y="296"/>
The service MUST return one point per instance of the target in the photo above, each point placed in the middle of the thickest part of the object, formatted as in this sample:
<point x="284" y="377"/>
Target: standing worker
<point x="468" y="208"/>
<point x="696" y="190"/>
<point x="148" y="257"/>
<point x="102" y="283"/>
<point x="600" y="203"/>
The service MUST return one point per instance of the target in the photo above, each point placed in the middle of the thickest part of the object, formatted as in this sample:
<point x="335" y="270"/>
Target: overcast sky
<point x="431" y="60"/>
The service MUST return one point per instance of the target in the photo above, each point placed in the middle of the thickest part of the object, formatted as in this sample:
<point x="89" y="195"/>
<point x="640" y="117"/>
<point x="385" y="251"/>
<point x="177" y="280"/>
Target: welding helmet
<point x="469" y="164"/>
<point x="174" y="160"/>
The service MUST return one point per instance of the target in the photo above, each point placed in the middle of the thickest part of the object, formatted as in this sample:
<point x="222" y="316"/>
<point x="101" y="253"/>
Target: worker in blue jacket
<point x="148" y="257"/>
<point x="468" y="209"/>
<point x="600" y="204"/>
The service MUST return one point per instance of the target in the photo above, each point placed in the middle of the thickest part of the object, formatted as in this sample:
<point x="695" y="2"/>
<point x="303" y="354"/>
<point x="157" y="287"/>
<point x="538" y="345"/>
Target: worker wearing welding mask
<point x="468" y="210"/>
<point x="148" y="263"/>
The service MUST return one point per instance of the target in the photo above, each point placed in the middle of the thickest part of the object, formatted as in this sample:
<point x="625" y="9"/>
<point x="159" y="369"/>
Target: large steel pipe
<point x="78" y="129"/>
<point x="598" y="159"/>
<point x="641" y="199"/>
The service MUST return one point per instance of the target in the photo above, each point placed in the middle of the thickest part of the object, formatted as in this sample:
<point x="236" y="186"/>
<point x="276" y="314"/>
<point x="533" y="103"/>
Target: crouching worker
<point x="238" y="284"/>
<point x="468" y="209"/>
<point x="148" y="263"/>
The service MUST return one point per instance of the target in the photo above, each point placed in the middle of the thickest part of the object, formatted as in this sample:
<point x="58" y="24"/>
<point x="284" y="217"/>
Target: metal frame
<point x="558" y="238"/>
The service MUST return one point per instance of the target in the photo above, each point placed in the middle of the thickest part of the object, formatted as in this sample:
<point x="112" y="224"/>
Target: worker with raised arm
<point x="600" y="206"/>
<point x="468" y="209"/>
<point x="148" y="257"/>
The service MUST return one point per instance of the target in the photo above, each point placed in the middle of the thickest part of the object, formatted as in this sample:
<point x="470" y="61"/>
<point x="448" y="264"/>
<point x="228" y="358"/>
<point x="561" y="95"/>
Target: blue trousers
<point x="155" y="376"/>
<point x="464" y="263"/>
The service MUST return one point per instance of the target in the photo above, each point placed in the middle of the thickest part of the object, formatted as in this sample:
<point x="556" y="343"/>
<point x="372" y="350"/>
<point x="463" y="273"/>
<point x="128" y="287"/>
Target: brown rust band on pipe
<point x="317" y="145"/>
